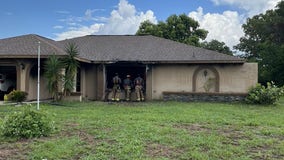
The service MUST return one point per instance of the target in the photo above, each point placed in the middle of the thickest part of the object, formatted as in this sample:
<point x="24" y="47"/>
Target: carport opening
<point x="8" y="80"/>
<point x="123" y="70"/>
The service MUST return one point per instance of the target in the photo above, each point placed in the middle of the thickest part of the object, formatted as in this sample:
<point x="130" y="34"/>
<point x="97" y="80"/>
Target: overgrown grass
<point x="155" y="130"/>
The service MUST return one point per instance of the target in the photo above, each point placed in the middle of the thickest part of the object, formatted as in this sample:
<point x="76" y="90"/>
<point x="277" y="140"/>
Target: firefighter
<point x="116" y="87"/>
<point x="139" y="83"/>
<point x="127" y="84"/>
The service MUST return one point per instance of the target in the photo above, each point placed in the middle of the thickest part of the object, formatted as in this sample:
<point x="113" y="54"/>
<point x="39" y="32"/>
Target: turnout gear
<point x="127" y="84"/>
<point x="116" y="88"/>
<point x="139" y="83"/>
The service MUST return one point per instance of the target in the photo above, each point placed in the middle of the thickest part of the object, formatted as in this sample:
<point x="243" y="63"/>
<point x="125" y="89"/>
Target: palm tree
<point x="71" y="65"/>
<point x="53" y="72"/>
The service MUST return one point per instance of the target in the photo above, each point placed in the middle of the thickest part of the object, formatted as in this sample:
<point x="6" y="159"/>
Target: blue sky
<point x="61" y="19"/>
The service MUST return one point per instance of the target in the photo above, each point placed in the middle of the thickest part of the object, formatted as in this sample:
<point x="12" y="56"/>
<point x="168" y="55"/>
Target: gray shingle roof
<point x="26" y="46"/>
<point x="113" y="48"/>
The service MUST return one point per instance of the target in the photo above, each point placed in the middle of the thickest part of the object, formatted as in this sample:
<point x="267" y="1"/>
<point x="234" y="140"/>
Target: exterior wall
<point x="230" y="78"/>
<point x="32" y="91"/>
<point x="160" y="78"/>
<point x="29" y="81"/>
<point x="237" y="78"/>
<point x="89" y="81"/>
<point x="149" y="79"/>
<point x="176" y="78"/>
<point x="100" y="83"/>
<point x="208" y="97"/>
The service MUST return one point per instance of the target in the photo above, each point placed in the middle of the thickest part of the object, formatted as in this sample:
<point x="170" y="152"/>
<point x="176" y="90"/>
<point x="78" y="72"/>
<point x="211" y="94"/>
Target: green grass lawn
<point x="154" y="130"/>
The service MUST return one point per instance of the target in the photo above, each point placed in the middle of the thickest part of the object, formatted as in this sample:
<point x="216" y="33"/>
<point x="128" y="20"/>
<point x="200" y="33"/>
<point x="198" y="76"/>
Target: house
<point x="171" y="70"/>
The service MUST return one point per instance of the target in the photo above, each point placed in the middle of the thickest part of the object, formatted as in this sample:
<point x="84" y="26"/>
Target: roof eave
<point x="175" y="62"/>
<point x="27" y="56"/>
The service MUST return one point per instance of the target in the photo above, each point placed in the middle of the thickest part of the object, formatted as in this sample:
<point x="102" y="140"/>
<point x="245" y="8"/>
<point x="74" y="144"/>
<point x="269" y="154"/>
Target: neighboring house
<point x="171" y="70"/>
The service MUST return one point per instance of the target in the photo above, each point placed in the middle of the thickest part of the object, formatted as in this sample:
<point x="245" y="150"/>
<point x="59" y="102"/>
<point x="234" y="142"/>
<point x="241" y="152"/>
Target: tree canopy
<point x="179" y="28"/>
<point x="264" y="43"/>
<point x="218" y="46"/>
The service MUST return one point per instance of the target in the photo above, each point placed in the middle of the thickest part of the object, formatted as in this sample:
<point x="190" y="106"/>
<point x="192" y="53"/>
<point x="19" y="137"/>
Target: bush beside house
<point x="261" y="94"/>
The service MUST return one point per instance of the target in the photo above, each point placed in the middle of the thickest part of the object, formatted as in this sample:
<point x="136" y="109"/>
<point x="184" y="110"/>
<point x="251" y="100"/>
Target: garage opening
<point x="124" y="69"/>
<point x="8" y="80"/>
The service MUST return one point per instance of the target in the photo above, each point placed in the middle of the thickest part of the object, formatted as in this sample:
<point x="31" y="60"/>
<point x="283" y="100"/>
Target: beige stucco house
<point x="170" y="69"/>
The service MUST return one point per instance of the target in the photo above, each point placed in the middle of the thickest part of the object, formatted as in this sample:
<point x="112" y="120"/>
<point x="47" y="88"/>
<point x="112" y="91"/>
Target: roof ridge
<point x="44" y="39"/>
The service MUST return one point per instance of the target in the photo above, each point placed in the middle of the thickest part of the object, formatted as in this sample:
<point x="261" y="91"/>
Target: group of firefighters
<point x="127" y="84"/>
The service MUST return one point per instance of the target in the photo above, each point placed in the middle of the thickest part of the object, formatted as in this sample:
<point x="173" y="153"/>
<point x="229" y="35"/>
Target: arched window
<point x="205" y="79"/>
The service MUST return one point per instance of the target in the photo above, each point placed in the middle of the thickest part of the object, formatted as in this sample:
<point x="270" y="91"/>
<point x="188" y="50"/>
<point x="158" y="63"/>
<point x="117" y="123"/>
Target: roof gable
<point x="26" y="46"/>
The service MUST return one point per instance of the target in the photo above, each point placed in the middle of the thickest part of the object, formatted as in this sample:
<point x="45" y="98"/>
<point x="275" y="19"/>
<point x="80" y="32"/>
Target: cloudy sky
<point x="61" y="19"/>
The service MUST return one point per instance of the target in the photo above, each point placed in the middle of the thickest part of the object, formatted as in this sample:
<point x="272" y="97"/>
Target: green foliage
<point x="54" y="67"/>
<point x="264" y="95"/>
<point x="215" y="45"/>
<point x="53" y="72"/>
<point x="62" y="148"/>
<point x="264" y="43"/>
<point x="17" y="96"/>
<point x="27" y="123"/>
<point x="156" y="130"/>
<point x="71" y="65"/>
<point x="179" y="28"/>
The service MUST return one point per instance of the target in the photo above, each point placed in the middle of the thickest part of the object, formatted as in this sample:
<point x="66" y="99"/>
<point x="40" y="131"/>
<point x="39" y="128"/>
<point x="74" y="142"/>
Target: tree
<point x="71" y="65"/>
<point x="218" y="46"/>
<point x="53" y="72"/>
<point x="54" y="68"/>
<point x="264" y="43"/>
<point x="178" y="28"/>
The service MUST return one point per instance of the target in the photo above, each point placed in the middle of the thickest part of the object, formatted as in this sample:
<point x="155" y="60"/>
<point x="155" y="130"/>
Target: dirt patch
<point x="7" y="153"/>
<point x="262" y="152"/>
<point x="84" y="136"/>
<point x="193" y="128"/>
<point x="16" y="150"/>
<point x="230" y="132"/>
<point x="159" y="150"/>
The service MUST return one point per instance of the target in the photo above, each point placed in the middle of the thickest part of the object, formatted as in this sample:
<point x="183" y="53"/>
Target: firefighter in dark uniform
<point x="139" y="83"/>
<point x="116" y="87"/>
<point x="127" y="84"/>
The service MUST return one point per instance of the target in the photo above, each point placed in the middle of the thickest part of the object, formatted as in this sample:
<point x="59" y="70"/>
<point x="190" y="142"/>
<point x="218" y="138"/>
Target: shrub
<point x="17" y="96"/>
<point x="264" y="95"/>
<point x="27" y="123"/>
<point x="5" y="97"/>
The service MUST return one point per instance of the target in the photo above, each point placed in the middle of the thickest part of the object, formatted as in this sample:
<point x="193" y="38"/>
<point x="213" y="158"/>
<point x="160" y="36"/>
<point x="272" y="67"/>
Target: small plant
<point x="17" y="96"/>
<point x="5" y="97"/>
<point x="264" y="95"/>
<point x="27" y="123"/>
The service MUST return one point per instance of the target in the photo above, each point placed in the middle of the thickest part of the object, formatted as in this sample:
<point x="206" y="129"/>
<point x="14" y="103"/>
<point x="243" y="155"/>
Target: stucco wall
<point x="89" y="82"/>
<point x="232" y="78"/>
<point x="44" y="94"/>
<point x="237" y="78"/>
<point x="171" y="78"/>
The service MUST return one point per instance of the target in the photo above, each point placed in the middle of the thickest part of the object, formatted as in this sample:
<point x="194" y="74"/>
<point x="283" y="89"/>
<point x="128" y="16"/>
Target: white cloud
<point x="126" y="19"/>
<point x="227" y="26"/>
<point x="62" y="12"/>
<point x="123" y="20"/>
<point x="77" y="32"/>
<point x="252" y="7"/>
<point x="58" y="27"/>
<point x="224" y="27"/>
